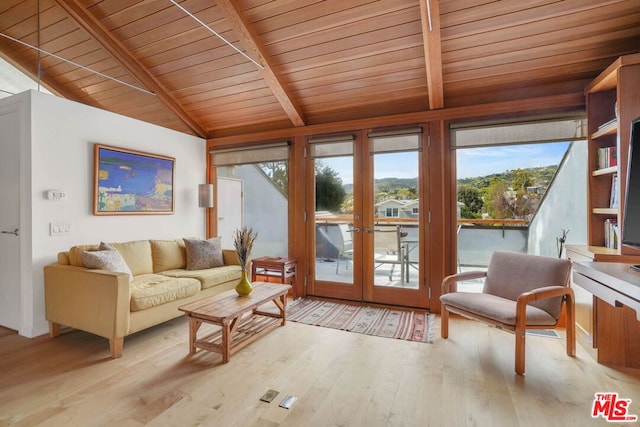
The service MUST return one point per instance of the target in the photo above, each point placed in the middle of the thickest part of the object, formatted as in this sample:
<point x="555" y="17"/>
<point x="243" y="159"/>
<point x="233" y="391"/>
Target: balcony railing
<point x="479" y="238"/>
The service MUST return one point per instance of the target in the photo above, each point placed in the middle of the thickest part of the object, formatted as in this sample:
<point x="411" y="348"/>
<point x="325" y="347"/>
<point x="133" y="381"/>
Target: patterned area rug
<point x="381" y="322"/>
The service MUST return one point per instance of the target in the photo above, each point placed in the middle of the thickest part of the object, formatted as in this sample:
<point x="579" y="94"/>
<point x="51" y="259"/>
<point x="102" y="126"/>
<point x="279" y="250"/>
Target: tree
<point x="329" y="190"/>
<point x="505" y="201"/>
<point x="521" y="180"/>
<point x="407" y="192"/>
<point x="525" y="204"/>
<point x="473" y="203"/>
<point x="277" y="171"/>
<point x="498" y="199"/>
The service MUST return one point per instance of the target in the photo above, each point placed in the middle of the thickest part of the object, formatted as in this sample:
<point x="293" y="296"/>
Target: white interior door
<point x="10" y="302"/>
<point x="230" y="211"/>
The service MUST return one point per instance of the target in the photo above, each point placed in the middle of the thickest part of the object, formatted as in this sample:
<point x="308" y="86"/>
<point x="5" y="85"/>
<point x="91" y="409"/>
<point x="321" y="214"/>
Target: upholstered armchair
<point x="521" y="292"/>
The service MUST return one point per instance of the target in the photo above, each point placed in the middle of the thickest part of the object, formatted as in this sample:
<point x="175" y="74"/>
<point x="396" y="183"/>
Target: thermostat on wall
<point x="56" y="195"/>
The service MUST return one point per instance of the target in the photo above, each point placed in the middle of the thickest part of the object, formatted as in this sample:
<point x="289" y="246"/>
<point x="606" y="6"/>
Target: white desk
<point x="616" y="291"/>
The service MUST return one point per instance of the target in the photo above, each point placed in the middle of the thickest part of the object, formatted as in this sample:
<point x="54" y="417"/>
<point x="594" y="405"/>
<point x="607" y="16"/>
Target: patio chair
<point x="521" y="292"/>
<point x="388" y="248"/>
<point x="345" y="251"/>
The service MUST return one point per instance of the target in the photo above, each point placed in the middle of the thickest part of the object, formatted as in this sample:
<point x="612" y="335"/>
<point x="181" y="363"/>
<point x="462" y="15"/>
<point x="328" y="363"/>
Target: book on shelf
<point x="607" y="157"/>
<point x="611" y="233"/>
<point x="613" y="202"/>
<point x="609" y="123"/>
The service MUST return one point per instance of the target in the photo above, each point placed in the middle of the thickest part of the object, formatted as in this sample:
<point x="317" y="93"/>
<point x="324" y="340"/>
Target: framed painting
<point x="128" y="182"/>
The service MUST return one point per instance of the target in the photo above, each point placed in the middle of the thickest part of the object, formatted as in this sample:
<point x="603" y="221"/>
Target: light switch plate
<point x="59" y="228"/>
<point x="56" y="195"/>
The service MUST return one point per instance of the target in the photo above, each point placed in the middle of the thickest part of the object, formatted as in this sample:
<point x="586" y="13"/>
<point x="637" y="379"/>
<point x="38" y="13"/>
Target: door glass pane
<point x="396" y="251"/>
<point x="334" y="219"/>
<point x="256" y="196"/>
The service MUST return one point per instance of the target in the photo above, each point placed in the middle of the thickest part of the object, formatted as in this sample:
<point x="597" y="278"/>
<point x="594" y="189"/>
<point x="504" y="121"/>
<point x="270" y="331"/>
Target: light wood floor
<point x="340" y="379"/>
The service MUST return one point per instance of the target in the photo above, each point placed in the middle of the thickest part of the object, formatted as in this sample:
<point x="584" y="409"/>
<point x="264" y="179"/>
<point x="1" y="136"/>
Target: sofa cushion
<point x="230" y="257"/>
<point x="209" y="277"/>
<point x="168" y="254"/>
<point x="63" y="258"/>
<point x="137" y="255"/>
<point x="106" y="259"/>
<point x="203" y="254"/>
<point x="150" y="290"/>
<point x="75" y="254"/>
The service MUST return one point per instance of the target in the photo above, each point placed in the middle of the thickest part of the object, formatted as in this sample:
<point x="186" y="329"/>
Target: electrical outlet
<point x="59" y="228"/>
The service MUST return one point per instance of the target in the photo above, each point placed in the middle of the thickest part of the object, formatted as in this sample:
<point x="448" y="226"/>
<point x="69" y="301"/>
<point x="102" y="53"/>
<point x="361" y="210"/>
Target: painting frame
<point x="132" y="182"/>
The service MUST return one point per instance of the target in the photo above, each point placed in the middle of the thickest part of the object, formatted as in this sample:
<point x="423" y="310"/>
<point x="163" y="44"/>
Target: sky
<point x="471" y="162"/>
<point x="474" y="162"/>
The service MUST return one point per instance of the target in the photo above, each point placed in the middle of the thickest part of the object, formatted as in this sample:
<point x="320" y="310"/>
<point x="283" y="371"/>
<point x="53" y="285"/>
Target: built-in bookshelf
<point x="607" y="158"/>
<point x="613" y="100"/>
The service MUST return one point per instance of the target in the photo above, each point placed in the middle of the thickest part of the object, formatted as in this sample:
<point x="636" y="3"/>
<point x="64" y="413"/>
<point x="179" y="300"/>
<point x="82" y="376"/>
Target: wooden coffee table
<point x="239" y="318"/>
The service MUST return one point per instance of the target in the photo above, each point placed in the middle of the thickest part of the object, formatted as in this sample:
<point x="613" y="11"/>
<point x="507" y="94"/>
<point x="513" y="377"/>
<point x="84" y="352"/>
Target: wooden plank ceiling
<point x="306" y="62"/>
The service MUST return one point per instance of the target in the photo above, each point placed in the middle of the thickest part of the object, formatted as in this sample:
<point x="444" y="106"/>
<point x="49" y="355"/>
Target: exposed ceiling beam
<point x="430" y="17"/>
<point x="87" y="22"/>
<point x="250" y="39"/>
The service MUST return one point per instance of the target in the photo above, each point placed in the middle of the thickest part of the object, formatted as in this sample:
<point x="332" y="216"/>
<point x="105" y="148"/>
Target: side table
<point x="274" y="269"/>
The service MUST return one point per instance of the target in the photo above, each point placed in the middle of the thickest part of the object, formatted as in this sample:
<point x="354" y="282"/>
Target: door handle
<point x="15" y="232"/>
<point x="356" y="229"/>
<point x="368" y="230"/>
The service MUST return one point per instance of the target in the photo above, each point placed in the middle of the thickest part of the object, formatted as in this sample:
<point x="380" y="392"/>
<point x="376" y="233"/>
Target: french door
<point x="367" y="229"/>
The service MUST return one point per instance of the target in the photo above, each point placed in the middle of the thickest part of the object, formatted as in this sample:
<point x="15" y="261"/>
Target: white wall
<point x="266" y="210"/>
<point x="558" y="211"/>
<point x="62" y="138"/>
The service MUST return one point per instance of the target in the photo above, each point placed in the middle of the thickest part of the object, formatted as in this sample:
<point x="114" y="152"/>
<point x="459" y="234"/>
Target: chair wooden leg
<point x="444" y="322"/>
<point x="520" y="350"/>
<point x="571" y="326"/>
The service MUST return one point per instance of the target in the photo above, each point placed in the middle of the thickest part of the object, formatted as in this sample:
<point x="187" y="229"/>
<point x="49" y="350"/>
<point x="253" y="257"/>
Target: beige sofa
<point x="112" y="305"/>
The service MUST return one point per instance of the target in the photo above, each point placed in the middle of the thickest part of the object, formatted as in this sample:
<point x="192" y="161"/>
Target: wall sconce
<point x="205" y="195"/>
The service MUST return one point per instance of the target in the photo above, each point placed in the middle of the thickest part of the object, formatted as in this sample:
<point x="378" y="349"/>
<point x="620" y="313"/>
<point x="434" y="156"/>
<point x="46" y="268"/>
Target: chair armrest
<point x="545" y="292"/>
<point x="449" y="282"/>
<point x="96" y="301"/>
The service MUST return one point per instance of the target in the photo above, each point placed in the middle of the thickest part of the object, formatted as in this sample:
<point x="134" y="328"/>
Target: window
<point x="253" y="191"/>
<point x="414" y="211"/>
<point x="391" y="212"/>
<point x="517" y="188"/>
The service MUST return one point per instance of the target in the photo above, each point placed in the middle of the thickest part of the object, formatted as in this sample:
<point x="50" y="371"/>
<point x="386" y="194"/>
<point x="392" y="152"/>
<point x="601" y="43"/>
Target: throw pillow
<point x="203" y="254"/>
<point x="106" y="247"/>
<point x="107" y="259"/>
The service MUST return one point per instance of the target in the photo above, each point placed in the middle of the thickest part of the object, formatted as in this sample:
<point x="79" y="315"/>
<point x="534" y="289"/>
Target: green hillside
<point x="540" y="175"/>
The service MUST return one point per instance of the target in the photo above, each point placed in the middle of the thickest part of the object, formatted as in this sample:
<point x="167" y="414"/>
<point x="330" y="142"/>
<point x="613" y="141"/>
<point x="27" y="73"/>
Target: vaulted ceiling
<point x="304" y="62"/>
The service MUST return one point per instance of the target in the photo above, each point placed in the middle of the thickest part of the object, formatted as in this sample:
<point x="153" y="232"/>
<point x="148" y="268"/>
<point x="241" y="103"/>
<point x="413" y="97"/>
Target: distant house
<point x="392" y="208"/>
